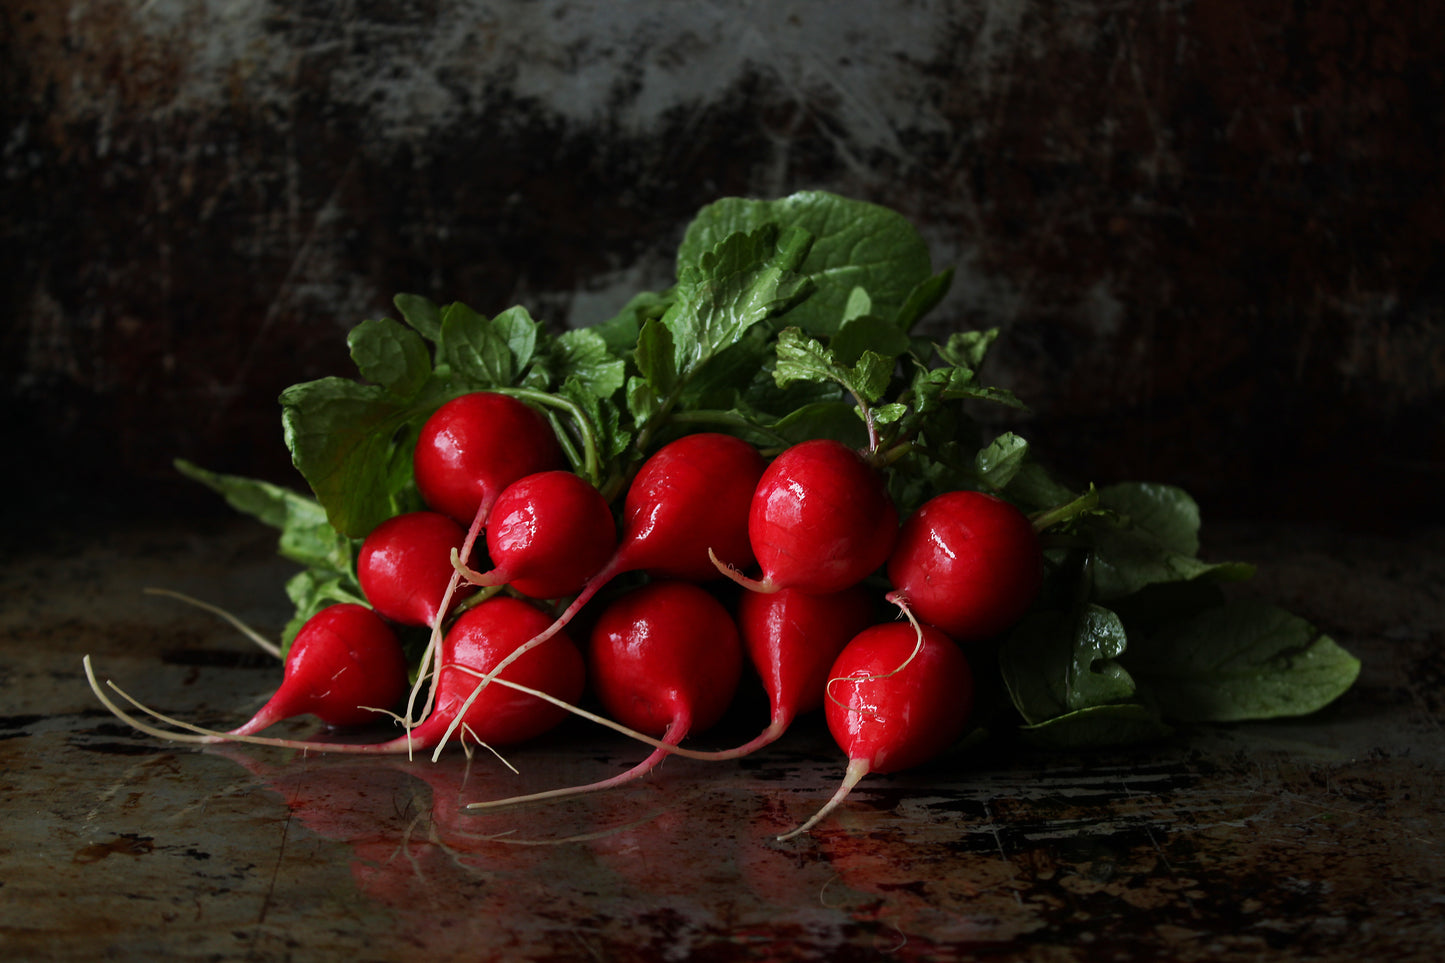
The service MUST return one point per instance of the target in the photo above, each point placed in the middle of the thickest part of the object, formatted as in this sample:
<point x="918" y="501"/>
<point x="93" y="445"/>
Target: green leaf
<point x="655" y="357"/>
<point x="643" y="404"/>
<point x="967" y="349"/>
<point x="390" y="354"/>
<point x="1033" y="487"/>
<point x="1098" y="727"/>
<point x="935" y="385"/>
<point x="837" y="420"/>
<point x="306" y="535"/>
<point x="1244" y="659"/>
<point x="867" y="333"/>
<point x="520" y="331"/>
<point x="1166" y="513"/>
<point x="352" y="443"/>
<point x="1152" y="538"/>
<point x="1053" y="664"/>
<point x="859" y="305"/>
<point x="855" y="245"/>
<point x="924" y="297"/>
<point x="621" y="331"/>
<point x="474" y="349"/>
<point x="612" y="437"/>
<point x="584" y="358"/>
<point x="422" y="314"/>
<point x="746" y="279"/>
<point x="1000" y="462"/>
<point x="801" y="358"/>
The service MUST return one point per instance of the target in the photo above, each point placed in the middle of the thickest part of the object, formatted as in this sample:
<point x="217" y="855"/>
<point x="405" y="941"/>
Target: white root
<point x="857" y="769"/>
<point x="601" y="720"/>
<point x="265" y="644"/>
<point x="425" y="673"/>
<point x="199" y="734"/>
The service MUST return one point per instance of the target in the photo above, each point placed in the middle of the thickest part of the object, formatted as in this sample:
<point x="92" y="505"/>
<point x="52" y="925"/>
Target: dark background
<point x="1211" y="232"/>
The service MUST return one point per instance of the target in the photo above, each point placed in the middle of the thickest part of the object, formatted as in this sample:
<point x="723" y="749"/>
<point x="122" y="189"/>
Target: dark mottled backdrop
<point x="1211" y="231"/>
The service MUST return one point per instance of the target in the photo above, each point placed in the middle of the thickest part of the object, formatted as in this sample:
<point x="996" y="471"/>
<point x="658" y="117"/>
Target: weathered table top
<point x="1313" y="839"/>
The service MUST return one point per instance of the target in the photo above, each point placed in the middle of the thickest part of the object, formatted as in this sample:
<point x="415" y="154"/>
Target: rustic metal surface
<point x="1316" y="839"/>
<point x="1210" y="230"/>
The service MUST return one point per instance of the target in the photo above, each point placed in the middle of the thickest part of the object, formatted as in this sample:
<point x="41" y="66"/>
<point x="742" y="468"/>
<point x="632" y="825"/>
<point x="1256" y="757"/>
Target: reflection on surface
<point x="929" y="866"/>
<point x="684" y="856"/>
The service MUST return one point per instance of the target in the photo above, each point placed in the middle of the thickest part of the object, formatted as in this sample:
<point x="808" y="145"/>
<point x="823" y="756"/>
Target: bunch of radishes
<point x="664" y="657"/>
<point x="762" y="465"/>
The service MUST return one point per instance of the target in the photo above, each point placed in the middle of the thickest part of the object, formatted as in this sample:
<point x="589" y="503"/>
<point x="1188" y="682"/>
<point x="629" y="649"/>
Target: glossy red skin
<point x="474" y="446"/>
<point x="479" y="639"/>
<point x="821" y="519"/>
<point x="898" y="720"/>
<point x="691" y="495"/>
<point x="548" y="533"/>
<point x="405" y="566"/>
<point x="344" y="659"/>
<point x="792" y="639"/>
<point x="665" y="652"/>
<point x="969" y="563"/>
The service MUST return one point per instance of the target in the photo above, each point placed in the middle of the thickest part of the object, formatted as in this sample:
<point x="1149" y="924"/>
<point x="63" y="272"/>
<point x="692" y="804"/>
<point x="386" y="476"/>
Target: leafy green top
<point x="793" y="319"/>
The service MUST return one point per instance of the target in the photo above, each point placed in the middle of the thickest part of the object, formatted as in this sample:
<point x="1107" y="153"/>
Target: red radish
<point x="474" y="446"/>
<point x="345" y="667"/>
<point x="820" y="520"/>
<point x="665" y="659"/>
<point x="666" y="656"/>
<point x="547" y="534"/>
<point x="405" y="566"/>
<point x="470" y="449"/>
<point x="687" y="505"/>
<point x="473" y="646"/>
<point x="478" y="639"/>
<point x="690" y="498"/>
<point x="900" y="694"/>
<point x="792" y="639"/>
<point x="968" y="563"/>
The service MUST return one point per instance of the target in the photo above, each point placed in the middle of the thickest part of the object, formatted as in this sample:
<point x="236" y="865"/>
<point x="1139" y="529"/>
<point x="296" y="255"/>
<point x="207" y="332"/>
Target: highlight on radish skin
<point x="900" y="693"/>
<point x="665" y="660"/>
<point x="969" y="563"/>
<point x="479" y="639"/>
<point x="687" y="504"/>
<point x="474" y="446"/>
<point x="547" y="534"/>
<point x="405" y="566"/>
<point x="820" y="520"/>
<point x="792" y="639"/>
<point x="345" y="666"/>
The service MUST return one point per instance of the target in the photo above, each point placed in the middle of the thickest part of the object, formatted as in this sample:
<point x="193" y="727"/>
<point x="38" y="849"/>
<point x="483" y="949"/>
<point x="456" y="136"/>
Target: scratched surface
<point x="1315" y="839"/>
<point x="1210" y="232"/>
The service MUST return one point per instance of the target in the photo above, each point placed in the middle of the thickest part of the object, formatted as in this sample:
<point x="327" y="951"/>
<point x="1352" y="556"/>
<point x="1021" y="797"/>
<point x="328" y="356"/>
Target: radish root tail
<point x="764" y="586"/>
<point x="265" y="644"/>
<point x="857" y="769"/>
